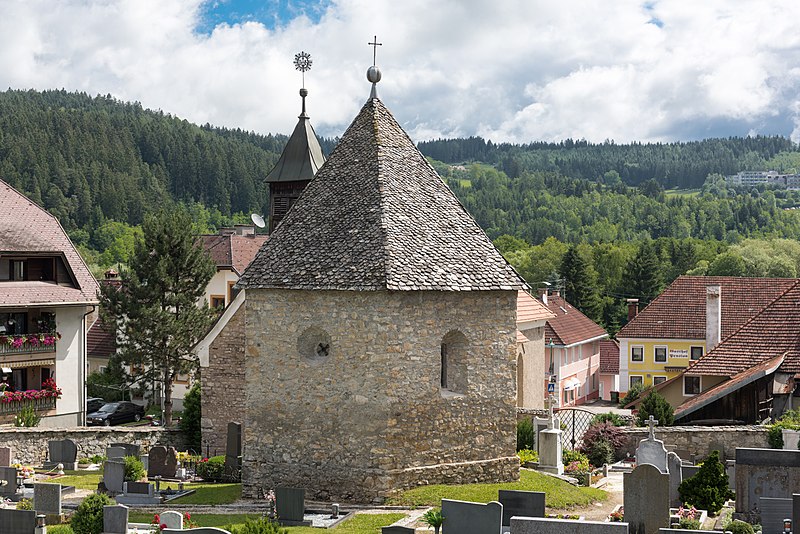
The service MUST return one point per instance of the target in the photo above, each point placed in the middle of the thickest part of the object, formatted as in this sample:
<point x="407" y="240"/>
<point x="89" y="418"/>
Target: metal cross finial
<point x="375" y="44"/>
<point x="652" y="422"/>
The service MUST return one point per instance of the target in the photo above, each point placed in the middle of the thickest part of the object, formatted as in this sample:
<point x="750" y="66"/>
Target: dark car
<point x="93" y="404"/>
<point x="115" y="413"/>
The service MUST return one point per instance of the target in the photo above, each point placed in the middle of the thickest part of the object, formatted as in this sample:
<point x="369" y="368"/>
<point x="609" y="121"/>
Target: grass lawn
<point x="560" y="494"/>
<point x="80" y="479"/>
<point x="682" y="192"/>
<point x="209" y="493"/>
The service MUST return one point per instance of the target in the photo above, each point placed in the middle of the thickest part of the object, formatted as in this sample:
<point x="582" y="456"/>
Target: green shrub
<point x="575" y="462"/>
<point x="257" y="526"/>
<point x="524" y="434"/>
<point x="656" y="405"/>
<point x="212" y="469"/>
<point x="608" y="417"/>
<point x="433" y="518"/>
<point x="190" y="419"/>
<point x="27" y="417"/>
<point x="134" y="469"/>
<point x="740" y="527"/>
<point x="633" y="393"/>
<point x="689" y="524"/>
<point x="527" y="455"/>
<point x="601" y="453"/>
<point x="98" y="459"/>
<point x="605" y="431"/>
<point x="88" y="518"/>
<point x="708" y="489"/>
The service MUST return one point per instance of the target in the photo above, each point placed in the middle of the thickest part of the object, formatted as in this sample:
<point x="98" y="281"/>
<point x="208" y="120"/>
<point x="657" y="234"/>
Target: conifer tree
<point x="643" y="275"/>
<point x="580" y="283"/>
<point x="156" y="308"/>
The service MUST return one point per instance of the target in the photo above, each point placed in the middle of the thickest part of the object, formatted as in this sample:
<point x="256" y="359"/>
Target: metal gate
<point x="574" y="422"/>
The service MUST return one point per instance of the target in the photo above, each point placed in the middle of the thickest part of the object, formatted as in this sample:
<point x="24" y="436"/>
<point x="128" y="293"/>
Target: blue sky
<point x="510" y="71"/>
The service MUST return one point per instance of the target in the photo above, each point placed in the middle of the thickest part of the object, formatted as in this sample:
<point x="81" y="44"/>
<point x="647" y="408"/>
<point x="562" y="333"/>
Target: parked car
<point x="114" y="413"/>
<point x="93" y="404"/>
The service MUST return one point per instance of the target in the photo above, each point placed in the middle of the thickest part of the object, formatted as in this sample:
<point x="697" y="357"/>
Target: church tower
<point x="300" y="160"/>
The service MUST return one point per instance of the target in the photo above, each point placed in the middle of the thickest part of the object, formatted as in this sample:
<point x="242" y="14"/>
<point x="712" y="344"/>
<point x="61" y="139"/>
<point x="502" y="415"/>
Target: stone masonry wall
<point x="344" y="398"/>
<point x="222" y="384"/>
<point x="29" y="445"/>
<point x="699" y="441"/>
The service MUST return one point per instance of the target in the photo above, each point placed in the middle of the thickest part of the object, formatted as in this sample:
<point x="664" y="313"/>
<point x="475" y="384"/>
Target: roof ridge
<point x="380" y="179"/>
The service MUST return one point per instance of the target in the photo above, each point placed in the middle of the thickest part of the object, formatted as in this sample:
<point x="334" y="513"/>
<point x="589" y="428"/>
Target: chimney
<point x="244" y="229"/>
<point x="543" y="295"/>
<point x="633" y="308"/>
<point x="713" y="316"/>
<point x="227" y="231"/>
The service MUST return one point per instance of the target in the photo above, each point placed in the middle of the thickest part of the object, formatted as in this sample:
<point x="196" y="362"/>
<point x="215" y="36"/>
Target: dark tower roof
<point x="302" y="156"/>
<point x="377" y="216"/>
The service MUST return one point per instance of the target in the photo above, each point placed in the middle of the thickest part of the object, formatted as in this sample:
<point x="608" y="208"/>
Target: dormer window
<point x="19" y="270"/>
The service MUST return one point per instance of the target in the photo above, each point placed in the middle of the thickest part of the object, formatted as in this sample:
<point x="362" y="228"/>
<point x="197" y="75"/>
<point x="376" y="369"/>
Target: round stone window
<point x="314" y="344"/>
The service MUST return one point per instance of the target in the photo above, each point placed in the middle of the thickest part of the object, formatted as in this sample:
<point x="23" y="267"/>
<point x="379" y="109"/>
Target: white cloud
<point x="513" y="70"/>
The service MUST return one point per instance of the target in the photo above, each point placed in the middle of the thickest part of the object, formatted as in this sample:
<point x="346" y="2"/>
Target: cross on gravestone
<point x="652" y="422"/>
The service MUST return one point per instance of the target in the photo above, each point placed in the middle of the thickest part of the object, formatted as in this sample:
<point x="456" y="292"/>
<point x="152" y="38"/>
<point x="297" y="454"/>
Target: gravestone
<point x="163" y="462"/>
<point x="795" y="510"/>
<point x="646" y="499"/>
<point x="5" y="456"/>
<point x="114" y="475"/>
<point x="290" y="505"/>
<point x="145" y="459"/>
<point x="8" y="481"/>
<point x="765" y="473"/>
<point x="115" y="519"/>
<point x="17" y="521"/>
<point x="138" y="493"/>
<point x="131" y="449"/>
<point x="233" y="452"/>
<point x="397" y="530"/>
<point x="688" y="471"/>
<point x="773" y="512"/>
<point x="521" y="503"/>
<point x="47" y="498"/>
<point x="719" y="447"/>
<point x="675" y="469"/>
<point x="651" y="450"/>
<point x="115" y="452"/>
<point x="550" y="459"/>
<point x="539" y="424"/>
<point x="172" y="519"/>
<point x="461" y="517"/>
<point x="543" y="525"/>
<point x="63" y="451"/>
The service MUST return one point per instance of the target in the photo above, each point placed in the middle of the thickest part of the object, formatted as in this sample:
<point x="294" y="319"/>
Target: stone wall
<point x="699" y="441"/>
<point x="29" y="445"/>
<point x="765" y="473"/>
<point x="222" y="384"/>
<point x="363" y="413"/>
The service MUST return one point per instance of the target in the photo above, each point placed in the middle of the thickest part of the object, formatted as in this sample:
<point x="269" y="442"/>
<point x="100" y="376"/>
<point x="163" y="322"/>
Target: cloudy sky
<point x="507" y="70"/>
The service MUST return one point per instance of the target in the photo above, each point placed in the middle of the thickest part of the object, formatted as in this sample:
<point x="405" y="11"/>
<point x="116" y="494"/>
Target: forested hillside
<point x="683" y="165"/>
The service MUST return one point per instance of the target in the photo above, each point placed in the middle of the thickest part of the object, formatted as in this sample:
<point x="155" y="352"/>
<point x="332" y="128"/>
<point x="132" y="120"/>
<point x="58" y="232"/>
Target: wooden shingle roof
<point x="377" y="216"/>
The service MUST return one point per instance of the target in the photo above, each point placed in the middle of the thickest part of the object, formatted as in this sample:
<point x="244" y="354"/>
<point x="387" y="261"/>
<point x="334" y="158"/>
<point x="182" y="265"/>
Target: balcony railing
<point x="40" y="405"/>
<point x="29" y="343"/>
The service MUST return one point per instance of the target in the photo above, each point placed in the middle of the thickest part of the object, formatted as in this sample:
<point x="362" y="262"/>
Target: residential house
<point x="232" y="250"/>
<point x="572" y="351"/>
<point x="688" y="319"/>
<point x="46" y="295"/>
<point x="532" y="376"/>
<point x="609" y="370"/>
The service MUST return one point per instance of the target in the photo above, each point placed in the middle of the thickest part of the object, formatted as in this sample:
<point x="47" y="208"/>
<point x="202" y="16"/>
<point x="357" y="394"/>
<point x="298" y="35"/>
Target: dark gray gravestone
<point x="795" y="510"/>
<point x="5" y="456"/>
<point x="17" y="521"/>
<point x="163" y="462"/>
<point x="115" y="519"/>
<point x="521" y="504"/>
<point x="233" y="452"/>
<point x="688" y="471"/>
<point x="290" y="505"/>
<point x="765" y="473"/>
<point x="675" y="467"/>
<point x="646" y="499"/>
<point x="115" y="452"/>
<point x="114" y="475"/>
<point x="47" y="498"/>
<point x="397" y="530"/>
<point x="131" y="449"/>
<point x="63" y="451"/>
<point x="461" y="517"/>
<point x="8" y="481"/>
<point x="773" y="512"/>
<point x="138" y="487"/>
<point x="543" y="525"/>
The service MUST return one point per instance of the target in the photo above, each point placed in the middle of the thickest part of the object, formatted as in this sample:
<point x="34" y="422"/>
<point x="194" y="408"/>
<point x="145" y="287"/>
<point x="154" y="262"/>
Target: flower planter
<point x="701" y="515"/>
<point x="617" y="512"/>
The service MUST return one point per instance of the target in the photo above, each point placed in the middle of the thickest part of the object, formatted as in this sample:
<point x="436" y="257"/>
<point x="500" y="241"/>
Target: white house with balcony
<point x="46" y="296"/>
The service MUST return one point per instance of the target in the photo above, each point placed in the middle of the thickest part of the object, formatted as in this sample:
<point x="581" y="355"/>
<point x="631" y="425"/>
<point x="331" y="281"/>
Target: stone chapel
<point x="379" y="327"/>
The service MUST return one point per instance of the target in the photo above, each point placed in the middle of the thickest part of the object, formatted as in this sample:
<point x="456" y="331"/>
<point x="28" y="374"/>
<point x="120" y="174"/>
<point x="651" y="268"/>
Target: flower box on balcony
<point x="25" y="343"/>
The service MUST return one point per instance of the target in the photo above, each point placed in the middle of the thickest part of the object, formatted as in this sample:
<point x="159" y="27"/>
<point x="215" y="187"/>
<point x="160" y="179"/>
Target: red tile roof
<point x="100" y="341"/>
<point x="530" y="309"/>
<point x="27" y="228"/>
<point x="680" y="311"/>
<point x="609" y="356"/>
<point x="232" y="251"/>
<point x="774" y="332"/>
<point x="569" y="326"/>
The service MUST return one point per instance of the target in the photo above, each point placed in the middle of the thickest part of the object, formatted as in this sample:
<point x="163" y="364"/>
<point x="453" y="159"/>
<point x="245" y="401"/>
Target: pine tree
<point x="643" y="274"/>
<point x="156" y="309"/>
<point x="656" y="405"/>
<point x="580" y="283"/>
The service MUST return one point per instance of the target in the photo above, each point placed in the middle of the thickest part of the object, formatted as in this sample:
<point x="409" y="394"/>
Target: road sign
<point x="551" y="387"/>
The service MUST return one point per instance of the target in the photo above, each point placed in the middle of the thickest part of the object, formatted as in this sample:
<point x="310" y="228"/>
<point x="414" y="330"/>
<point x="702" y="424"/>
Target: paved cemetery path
<point x="599" y="511"/>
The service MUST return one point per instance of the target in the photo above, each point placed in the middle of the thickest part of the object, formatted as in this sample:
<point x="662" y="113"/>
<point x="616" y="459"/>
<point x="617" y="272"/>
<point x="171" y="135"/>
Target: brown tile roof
<point x="100" y="341"/>
<point x="232" y="251"/>
<point x="569" y="326"/>
<point x="609" y="356"/>
<point x="27" y="228"/>
<point x="679" y="312"/>
<point x="774" y="332"/>
<point x="530" y="309"/>
<point x="377" y="216"/>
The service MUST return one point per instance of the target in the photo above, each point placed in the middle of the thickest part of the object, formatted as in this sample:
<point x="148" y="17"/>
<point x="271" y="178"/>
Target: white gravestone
<point x="651" y="450"/>
<point x="550" y="445"/>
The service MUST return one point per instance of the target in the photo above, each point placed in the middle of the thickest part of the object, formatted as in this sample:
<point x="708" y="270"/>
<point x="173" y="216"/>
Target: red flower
<point x="163" y="526"/>
<point x="156" y="519"/>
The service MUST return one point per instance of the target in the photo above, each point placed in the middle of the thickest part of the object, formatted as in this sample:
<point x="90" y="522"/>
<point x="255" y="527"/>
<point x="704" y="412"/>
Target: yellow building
<point x="686" y="321"/>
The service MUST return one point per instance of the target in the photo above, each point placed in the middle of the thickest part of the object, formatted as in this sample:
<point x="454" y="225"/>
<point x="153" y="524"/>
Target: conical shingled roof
<point x="377" y="216"/>
<point x="301" y="157"/>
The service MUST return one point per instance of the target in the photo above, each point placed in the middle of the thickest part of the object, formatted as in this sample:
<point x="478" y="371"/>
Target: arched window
<point x="454" y="353"/>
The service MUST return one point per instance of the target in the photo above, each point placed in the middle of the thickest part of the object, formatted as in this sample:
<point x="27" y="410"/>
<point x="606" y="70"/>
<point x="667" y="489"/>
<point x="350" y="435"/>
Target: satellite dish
<point x="258" y="220"/>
